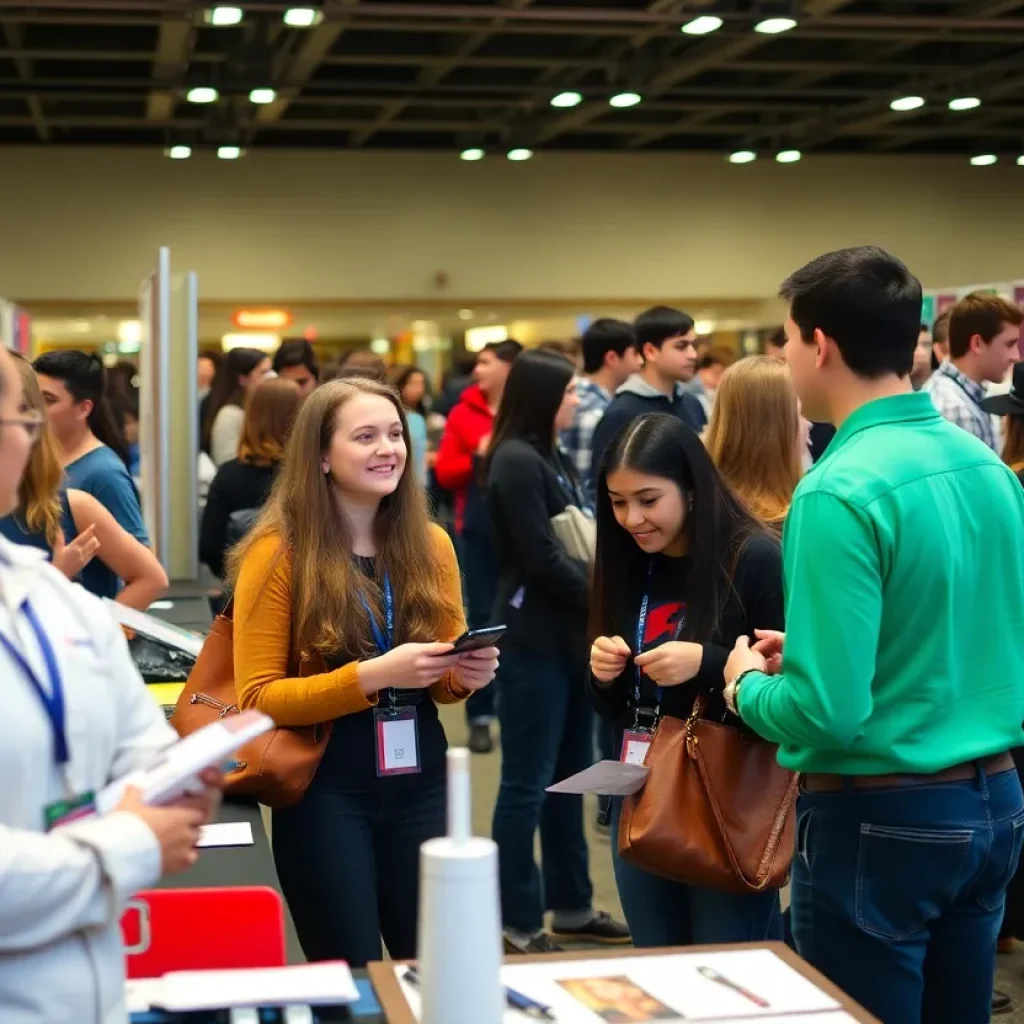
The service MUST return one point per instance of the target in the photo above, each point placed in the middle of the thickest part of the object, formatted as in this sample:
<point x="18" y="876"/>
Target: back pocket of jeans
<point x="991" y="895"/>
<point x="907" y="876"/>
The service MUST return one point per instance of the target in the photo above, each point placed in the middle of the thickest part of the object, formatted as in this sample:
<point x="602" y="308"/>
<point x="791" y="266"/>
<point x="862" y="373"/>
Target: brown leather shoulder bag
<point x="716" y="810"/>
<point x="277" y="767"/>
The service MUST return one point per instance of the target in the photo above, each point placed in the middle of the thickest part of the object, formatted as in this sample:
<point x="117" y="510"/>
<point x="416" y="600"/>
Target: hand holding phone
<point x="478" y="639"/>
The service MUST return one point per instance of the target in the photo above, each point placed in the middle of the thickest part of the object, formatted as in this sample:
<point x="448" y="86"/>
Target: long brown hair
<point x="753" y="436"/>
<point x="269" y="415"/>
<point x="1013" y="446"/>
<point x="327" y="613"/>
<point x="39" y="491"/>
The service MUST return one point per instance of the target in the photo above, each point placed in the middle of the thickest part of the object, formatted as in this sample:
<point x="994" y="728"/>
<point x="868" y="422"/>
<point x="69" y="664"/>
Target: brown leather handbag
<point x="716" y="810"/>
<point x="277" y="767"/>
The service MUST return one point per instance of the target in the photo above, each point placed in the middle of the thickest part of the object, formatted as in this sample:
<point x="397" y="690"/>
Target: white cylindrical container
<point x="459" y="941"/>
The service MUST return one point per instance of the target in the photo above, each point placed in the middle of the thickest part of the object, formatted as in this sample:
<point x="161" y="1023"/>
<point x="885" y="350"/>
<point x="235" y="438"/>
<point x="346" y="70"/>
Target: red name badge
<point x="397" y="742"/>
<point x="635" y="744"/>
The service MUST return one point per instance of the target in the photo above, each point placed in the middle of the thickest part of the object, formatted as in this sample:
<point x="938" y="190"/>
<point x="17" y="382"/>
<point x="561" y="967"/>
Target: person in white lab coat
<point x="75" y="716"/>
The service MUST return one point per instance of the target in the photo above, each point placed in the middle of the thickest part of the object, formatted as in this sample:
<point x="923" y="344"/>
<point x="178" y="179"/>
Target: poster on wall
<point x="15" y="328"/>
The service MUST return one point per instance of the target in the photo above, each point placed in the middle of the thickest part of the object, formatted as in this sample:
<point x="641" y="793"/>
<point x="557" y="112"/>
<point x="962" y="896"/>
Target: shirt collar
<point x="915" y="406"/>
<point x="585" y="384"/>
<point x="18" y="569"/>
<point x="974" y="390"/>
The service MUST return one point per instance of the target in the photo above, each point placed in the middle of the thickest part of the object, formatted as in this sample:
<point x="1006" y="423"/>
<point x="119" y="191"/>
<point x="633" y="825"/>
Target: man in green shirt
<point x="900" y="688"/>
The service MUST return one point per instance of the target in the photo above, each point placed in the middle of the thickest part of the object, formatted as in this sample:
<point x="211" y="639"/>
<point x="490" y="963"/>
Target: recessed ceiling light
<point x="465" y="314"/>
<point x="904" y="103"/>
<point x="303" y="17"/>
<point x="202" y="94"/>
<point x="742" y="156"/>
<point x="567" y="99"/>
<point x="263" y="95"/>
<point x="964" y="103"/>
<point x="984" y="160"/>
<point x="472" y="154"/>
<point x="625" y="99"/>
<point x="773" y="26"/>
<point x="229" y="152"/>
<point x="222" y="17"/>
<point x="179" y="152"/>
<point x="702" y="25"/>
<point x="519" y="154"/>
<point x="788" y="156"/>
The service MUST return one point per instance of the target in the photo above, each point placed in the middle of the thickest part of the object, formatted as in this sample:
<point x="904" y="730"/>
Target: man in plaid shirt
<point x="984" y="331"/>
<point x="609" y="357"/>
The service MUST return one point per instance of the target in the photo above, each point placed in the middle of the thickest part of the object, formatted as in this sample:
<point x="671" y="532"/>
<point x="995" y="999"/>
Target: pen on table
<point x="516" y="1000"/>
<point x="712" y="975"/>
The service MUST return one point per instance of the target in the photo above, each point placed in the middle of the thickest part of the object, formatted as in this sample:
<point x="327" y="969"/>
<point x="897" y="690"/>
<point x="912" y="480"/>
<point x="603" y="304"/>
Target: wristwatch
<point x="732" y="690"/>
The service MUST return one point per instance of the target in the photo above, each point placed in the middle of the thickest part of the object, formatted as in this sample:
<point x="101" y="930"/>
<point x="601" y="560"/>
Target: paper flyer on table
<point x="609" y="778"/>
<point x="727" y="987"/>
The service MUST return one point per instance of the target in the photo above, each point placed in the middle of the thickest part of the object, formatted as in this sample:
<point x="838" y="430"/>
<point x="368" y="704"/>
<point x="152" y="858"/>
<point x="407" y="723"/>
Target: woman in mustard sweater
<point x="344" y="574"/>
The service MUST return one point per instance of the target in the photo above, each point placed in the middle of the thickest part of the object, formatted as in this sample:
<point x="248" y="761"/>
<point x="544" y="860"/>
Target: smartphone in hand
<point x="478" y="639"/>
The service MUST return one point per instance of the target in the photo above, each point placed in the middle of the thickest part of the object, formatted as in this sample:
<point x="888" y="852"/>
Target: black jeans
<point x="547" y="734"/>
<point x="349" y="865"/>
<point x="480" y="572"/>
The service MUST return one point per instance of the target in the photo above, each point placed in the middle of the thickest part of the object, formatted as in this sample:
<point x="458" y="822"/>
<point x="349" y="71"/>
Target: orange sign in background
<point x="261" y="319"/>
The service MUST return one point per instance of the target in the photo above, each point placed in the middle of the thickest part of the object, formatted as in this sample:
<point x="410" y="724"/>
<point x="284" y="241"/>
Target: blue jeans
<point x="897" y="894"/>
<point x="546" y="735"/>
<point x="480" y="575"/>
<point x="661" y="912"/>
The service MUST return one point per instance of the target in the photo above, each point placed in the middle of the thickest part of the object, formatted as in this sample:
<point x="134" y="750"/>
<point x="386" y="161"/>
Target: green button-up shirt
<point x="904" y="575"/>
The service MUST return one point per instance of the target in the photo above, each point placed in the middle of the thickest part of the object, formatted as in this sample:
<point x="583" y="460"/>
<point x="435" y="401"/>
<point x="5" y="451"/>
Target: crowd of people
<point x="821" y="545"/>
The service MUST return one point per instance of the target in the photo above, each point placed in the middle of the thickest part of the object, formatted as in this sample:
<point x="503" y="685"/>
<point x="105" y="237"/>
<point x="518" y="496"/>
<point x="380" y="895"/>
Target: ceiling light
<point x="704" y="327"/>
<point x="788" y="156"/>
<point x="222" y="17"/>
<point x="964" y="103"/>
<point x="472" y="154"/>
<point x="303" y="17"/>
<point x="984" y="160"/>
<point x="742" y="156"/>
<point x="229" y="152"/>
<point x="264" y="95"/>
<point x="465" y="314"/>
<point x="567" y="99"/>
<point x="625" y="99"/>
<point x="773" y="26"/>
<point x="904" y="103"/>
<point x="202" y="94"/>
<point x="702" y="25"/>
<point x="1020" y="161"/>
<point x="178" y="152"/>
<point x="519" y="154"/>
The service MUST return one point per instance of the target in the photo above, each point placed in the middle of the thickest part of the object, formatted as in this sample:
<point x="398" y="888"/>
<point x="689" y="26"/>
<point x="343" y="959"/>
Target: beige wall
<point x="85" y="224"/>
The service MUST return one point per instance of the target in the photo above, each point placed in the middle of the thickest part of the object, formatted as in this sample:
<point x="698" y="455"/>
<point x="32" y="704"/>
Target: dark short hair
<point x="940" y="329"/>
<point x="864" y="299"/>
<point x="716" y="355"/>
<point x="296" y="352"/>
<point x="604" y="336"/>
<point x="657" y="325"/>
<point x="213" y="355"/>
<point x="507" y="351"/>
<point x="777" y="339"/>
<point x="980" y="314"/>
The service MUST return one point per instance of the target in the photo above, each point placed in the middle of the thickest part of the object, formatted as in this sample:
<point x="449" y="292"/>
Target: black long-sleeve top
<point x="542" y="592"/>
<point x="755" y="603"/>
<point x="237" y="486"/>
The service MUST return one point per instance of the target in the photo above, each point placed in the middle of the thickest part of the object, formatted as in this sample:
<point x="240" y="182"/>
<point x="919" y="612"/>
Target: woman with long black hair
<point x="546" y="721"/>
<point x="224" y="414"/>
<point x="682" y="569"/>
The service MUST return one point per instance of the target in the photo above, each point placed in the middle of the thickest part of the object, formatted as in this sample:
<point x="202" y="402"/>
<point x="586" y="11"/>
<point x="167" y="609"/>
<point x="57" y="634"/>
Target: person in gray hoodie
<point x="665" y="338"/>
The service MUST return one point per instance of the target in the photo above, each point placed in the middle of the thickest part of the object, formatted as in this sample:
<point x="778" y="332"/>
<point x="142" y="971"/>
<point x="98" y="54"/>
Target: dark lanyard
<point x="641" y="626"/>
<point x="571" y="490"/>
<point x="383" y="640"/>
<point x="53" y="702"/>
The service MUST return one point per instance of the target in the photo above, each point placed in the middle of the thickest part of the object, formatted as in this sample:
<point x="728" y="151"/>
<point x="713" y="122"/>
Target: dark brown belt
<point x="816" y="782"/>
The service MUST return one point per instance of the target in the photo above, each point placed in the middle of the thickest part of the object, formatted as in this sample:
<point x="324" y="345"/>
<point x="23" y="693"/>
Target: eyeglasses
<point x="31" y="423"/>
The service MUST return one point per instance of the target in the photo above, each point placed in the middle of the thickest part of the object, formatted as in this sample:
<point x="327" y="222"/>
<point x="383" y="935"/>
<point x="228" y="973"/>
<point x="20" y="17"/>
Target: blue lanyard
<point x="641" y="626"/>
<point x="53" y="702"/>
<point x="383" y="640"/>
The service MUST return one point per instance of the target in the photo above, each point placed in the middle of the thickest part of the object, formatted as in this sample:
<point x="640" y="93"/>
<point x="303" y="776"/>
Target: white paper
<point x="609" y="778"/>
<point x="141" y="993"/>
<point x="226" y="833"/>
<point x="321" y="984"/>
<point x="156" y="629"/>
<point x="399" y="739"/>
<point x="674" y="988"/>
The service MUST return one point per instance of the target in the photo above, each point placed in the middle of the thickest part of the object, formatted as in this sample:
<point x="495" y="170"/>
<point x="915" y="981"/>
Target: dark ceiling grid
<point x="387" y="73"/>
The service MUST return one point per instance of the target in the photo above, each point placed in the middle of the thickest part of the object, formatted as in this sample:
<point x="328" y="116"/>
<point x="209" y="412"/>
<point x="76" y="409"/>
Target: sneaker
<point x="538" y="944"/>
<point x="604" y="816"/>
<point x="602" y="928"/>
<point x="1001" y="1003"/>
<point x="480" y="741"/>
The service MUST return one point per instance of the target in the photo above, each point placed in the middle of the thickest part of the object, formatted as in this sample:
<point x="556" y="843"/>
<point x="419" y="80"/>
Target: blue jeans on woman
<point x="547" y="734"/>
<point x="898" y="893"/>
<point x="661" y="912"/>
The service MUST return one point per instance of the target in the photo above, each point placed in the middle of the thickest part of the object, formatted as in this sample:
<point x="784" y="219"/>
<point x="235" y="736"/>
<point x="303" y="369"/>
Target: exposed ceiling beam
<point x="23" y="65"/>
<point x="174" y="45"/>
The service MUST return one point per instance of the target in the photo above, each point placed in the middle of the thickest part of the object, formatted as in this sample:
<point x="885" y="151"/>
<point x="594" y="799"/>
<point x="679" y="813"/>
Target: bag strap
<point x="778" y="820"/>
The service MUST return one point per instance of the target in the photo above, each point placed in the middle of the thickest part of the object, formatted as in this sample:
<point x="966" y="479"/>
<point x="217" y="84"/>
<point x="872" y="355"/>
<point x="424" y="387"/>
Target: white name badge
<point x="397" y="742"/>
<point x="635" y="744"/>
